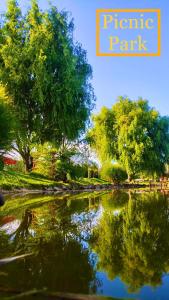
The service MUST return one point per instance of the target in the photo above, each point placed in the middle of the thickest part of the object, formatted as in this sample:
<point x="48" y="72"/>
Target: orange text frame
<point x="99" y="11"/>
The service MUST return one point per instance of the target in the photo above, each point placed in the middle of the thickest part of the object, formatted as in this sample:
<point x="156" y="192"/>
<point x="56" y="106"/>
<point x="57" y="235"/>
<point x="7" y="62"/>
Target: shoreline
<point x="72" y="188"/>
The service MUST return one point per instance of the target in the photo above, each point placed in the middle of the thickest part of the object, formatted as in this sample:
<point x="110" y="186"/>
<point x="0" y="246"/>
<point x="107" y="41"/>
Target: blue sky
<point x="146" y="77"/>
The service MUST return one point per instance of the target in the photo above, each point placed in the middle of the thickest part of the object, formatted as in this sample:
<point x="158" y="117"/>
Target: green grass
<point x="10" y="180"/>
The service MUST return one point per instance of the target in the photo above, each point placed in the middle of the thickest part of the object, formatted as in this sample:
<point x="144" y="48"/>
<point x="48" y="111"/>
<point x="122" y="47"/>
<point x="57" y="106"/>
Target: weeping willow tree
<point x="133" y="134"/>
<point x="46" y="74"/>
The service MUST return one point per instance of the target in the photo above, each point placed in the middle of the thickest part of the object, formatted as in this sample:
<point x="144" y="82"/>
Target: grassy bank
<point x="10" y="180"/>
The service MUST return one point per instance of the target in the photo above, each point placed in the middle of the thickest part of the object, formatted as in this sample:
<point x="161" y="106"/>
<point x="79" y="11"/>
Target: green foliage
<point x="113" y="172"/>
<point x="54" y="163"/>
<point x="68" y="170"/>
<point x="101" y="134"/>
<point x="133" y="134"/>
<point x="44" y="161"/>
<point x="63" y="168"/>
<point x="79" y="171"/>
<point x="6" y="121"/>
<point x="1" y="164"/>
<point x="47" y="76"/>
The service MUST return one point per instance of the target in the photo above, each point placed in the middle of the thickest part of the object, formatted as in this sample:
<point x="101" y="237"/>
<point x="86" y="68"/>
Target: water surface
<point x="112" y="244"/>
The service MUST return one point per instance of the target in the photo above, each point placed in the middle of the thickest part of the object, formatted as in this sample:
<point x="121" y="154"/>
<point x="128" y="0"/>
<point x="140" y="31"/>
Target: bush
<point x="43" y="166"/>
<point x="67" y="170"/>
<point x="44" y="161"/>
<point x="79" y="171"/>
<point x="63" y="168"/>
<point x="114" y="173"/>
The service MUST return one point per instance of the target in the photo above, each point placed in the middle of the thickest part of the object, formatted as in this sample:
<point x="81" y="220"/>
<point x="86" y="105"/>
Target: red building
<point x="9" y="161"/>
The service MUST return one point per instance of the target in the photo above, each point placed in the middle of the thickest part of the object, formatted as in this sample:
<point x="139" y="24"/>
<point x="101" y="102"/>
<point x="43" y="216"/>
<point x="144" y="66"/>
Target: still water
<point x="112" y="244"/>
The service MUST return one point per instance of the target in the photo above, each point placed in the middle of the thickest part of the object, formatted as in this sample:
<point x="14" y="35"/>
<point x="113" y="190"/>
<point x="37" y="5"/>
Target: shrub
<point x="63" y="168"/>
<point x="114" y="173"/>
<point x="43" y="166"/>
<point x="79" y="171"/>
<point x="67" y="170"/>
<point x="44" y="160"/>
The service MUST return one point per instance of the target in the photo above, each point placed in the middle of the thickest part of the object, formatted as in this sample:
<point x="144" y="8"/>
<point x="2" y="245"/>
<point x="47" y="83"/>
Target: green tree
<point x="46" y="74"/>
<point x="133" y="134"/>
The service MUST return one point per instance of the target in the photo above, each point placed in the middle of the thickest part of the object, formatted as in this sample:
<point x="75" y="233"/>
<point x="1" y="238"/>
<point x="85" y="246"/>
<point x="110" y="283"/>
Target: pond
<point x="113" y="243"/>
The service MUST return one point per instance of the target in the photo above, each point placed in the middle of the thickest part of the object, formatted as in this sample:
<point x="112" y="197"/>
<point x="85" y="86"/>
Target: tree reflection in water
<point x="61" y="260"/>
<point x="132" y="241"/>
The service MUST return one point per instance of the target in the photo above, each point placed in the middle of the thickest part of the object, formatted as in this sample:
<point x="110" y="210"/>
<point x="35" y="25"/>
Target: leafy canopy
<point x="133" y="134"/>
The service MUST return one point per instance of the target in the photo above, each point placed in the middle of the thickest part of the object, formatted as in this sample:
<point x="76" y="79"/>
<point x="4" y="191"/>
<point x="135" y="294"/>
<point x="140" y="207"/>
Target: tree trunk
<point x="28" y="159"/>
<point x="129" y="178"/>
<point x="25" y="152"/>
<point x="28" y="162"/>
